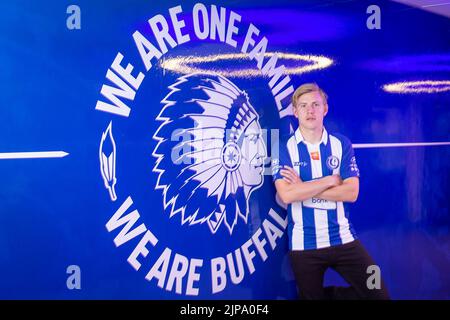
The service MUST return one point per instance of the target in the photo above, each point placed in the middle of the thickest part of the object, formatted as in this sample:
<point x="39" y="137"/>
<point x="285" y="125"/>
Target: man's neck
<point x="312" y="136"/>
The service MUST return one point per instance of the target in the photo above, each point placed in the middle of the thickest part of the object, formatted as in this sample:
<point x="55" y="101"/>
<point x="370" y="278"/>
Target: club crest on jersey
<point x="210" y="152"/>
<point x="332" y="162"/>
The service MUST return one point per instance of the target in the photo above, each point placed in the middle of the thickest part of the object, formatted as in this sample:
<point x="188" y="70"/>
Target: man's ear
<point x="294" y="109"/>
<point x="326" y="110"/>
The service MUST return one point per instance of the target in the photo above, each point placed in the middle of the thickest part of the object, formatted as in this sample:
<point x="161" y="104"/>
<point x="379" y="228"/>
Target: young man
<point x="315" y="174"/>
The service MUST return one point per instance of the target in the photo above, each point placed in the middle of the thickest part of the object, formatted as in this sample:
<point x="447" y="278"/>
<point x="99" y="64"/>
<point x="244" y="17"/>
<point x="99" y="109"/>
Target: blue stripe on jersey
<point x="309" y="229"/>
<point x="346" y="213"/>
<point x="305" y="171"/>
<point x="333" y="226"/>
<point x="290" y="225"/>
<point x="325" y="152"/>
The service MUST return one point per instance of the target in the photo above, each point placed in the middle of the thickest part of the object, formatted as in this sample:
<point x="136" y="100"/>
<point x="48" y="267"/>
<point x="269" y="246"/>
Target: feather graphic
<point x="107" y="155"/>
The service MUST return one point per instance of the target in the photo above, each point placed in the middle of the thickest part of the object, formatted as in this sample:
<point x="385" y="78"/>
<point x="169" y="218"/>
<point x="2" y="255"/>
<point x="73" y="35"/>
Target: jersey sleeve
<point x="349" y="167"/>
<point x="280" y="158"/>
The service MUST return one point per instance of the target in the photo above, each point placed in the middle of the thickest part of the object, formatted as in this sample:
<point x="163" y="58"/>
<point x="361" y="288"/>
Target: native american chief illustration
<point x="210" y="151"/>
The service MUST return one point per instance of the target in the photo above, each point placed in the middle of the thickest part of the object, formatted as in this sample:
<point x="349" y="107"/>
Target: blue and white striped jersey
<point x="317" y="223"/>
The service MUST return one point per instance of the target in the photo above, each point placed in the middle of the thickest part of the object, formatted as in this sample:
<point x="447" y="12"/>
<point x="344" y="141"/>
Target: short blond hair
<point x="307" y="88"/>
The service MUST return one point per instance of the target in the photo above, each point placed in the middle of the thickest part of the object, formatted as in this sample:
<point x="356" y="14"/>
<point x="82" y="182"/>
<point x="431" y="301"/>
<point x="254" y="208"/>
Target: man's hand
<point x="346" y="191"/>
<point x="333" y="180"/>
<point x="291" y="188"/>
<point x="290" y="175"/>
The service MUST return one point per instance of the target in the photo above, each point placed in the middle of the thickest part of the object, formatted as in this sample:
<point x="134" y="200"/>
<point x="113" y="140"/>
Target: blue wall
<point x="53" y="211"/>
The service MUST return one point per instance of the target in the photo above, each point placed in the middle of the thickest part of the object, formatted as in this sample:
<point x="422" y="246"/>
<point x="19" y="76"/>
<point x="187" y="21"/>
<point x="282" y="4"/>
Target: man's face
<point x="253" y="153"/>
<point x="310" y="110"/>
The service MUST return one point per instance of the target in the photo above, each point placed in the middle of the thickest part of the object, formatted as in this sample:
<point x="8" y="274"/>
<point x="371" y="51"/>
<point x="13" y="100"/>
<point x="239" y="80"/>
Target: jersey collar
<point x="299" y="137"/>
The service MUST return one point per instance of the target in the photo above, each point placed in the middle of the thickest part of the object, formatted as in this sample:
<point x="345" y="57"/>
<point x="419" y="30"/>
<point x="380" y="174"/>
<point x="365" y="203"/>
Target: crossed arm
<point x="292" y="189"/>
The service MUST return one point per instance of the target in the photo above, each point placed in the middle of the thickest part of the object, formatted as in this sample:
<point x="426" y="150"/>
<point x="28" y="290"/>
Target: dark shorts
<point x="350" y="260"/>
